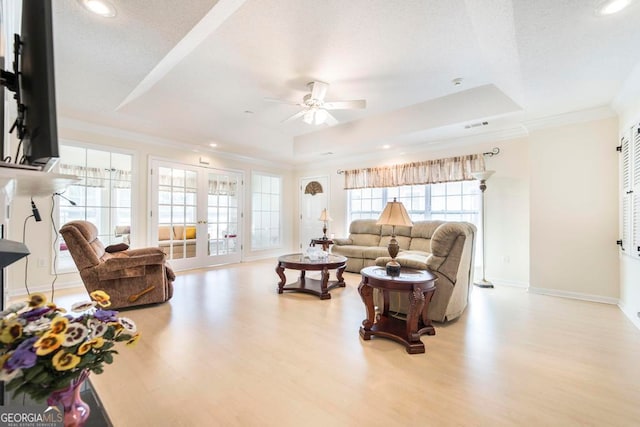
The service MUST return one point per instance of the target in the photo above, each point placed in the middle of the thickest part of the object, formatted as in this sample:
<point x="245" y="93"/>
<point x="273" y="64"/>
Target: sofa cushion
<point x="364" y="226"/>
<point x="409" y="259"/>
<point x="365" y="239"/>
<point x="164" y="232"/>
<point x="420" y="244"/>
<point x="350" y="251"/>
<point x="374" y="252"/>
<point x="425" y="229"/>
<point x="403" y="241"/>
<point x="190" y="233"/>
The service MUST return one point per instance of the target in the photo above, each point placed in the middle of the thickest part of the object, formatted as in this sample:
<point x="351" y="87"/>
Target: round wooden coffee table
<point x="419" y="284"/>
<point x="307" y="285"/>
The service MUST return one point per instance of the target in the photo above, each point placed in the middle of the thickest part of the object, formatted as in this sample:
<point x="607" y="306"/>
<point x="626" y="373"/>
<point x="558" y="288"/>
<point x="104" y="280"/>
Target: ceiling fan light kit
<point x="316" y="110"/>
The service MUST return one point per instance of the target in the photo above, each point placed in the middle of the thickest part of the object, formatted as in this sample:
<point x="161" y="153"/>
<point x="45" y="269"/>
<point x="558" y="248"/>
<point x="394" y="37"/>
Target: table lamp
<point x="394" y="214"/>
<point x="325" y="217"/>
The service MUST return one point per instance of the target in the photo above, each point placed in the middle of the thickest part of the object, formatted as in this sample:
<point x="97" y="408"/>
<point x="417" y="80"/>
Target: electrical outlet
<point x="506" y="259"/>
<point x="42" y="263"/>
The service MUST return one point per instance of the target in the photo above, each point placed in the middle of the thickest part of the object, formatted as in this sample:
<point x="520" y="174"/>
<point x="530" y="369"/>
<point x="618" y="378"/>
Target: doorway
<point x="195" y="215"/>
<point x="314" y="197"/>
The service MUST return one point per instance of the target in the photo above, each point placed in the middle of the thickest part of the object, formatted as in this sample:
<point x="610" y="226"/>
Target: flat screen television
<point x="34" y="86"/>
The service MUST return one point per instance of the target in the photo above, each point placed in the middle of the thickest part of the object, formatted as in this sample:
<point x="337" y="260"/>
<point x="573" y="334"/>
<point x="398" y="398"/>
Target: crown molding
<point x="597" y="113"/>
<point x="80" y="125"/>
<point x="422" y="147"/>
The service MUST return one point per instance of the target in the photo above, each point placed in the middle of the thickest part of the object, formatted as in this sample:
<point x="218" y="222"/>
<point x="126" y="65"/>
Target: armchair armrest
<point x="120" y="263"/>
<point x="342" y="242"/>
<point x="144" y="251"/>
<point x="116" y="268"/>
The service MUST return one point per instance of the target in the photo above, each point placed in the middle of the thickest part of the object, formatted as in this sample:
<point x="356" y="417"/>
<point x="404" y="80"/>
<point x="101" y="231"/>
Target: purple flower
<point x="24" y="357"/>
<point x="35" y="313"/>
<point x="106" y="315"/>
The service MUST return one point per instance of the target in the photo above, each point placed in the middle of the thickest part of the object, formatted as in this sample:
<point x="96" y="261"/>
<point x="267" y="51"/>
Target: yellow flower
<point x="101" y="297"/>
<point x="10" y="332"/>
<point x="47" y="344"/>
<point x="37" y="300"/>
<point x="84" y="348"/>
<point x="97" y="342"/>
<point x="88" y="345"/>
<point x="59" y="325"/>
<point x="56" y="308"/>
<point x="64" y="361"/>
<point x="133" y="341"/>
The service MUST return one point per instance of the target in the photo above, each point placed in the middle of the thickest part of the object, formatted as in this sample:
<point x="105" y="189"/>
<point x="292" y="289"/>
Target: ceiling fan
<point x="314" y="108"/>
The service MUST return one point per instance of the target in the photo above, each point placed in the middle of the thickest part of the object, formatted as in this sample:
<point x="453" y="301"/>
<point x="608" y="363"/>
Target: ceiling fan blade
<point x="345" y="105"/>
<point x="330" y="120"/>
<point x="319" y="90"/>
<point x="295" y="116"/>
<point x="281" y="101"/>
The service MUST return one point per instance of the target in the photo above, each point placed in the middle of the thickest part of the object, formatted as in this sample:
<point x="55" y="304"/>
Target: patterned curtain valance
<point x="427" y="172"/>
<point x="95" y="177"/>
<point x="222" y="187"/>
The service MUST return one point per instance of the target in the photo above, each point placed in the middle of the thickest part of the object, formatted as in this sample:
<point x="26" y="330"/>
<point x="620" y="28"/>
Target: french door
<point x="195" y="215"/>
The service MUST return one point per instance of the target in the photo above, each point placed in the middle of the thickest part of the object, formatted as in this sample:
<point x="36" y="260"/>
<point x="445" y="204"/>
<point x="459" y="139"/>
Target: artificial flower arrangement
<point x="43" y="350"/>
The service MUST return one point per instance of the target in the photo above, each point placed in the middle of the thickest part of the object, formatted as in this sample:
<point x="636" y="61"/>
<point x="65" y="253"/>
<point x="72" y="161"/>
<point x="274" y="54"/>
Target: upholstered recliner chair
<point x="130" y="276"/>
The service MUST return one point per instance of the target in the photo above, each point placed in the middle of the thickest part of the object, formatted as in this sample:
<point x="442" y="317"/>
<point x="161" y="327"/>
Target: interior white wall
<point x="574" y="210"/>
<point x="507" y="201"/>
<point x="39" y="236"/>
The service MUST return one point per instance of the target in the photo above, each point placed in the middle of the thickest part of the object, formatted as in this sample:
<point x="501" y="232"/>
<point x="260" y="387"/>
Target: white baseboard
<point x="631" y="314"/>
<point x="574" y="295"/>
<point x="45" y="289"/>
<point x="510" y="283"/>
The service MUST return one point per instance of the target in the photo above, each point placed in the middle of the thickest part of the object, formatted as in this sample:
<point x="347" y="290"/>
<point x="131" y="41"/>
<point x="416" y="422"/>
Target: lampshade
<point x="324" y="215"/>
<point x="394" y="214"/>
<point x="482" y="175"/>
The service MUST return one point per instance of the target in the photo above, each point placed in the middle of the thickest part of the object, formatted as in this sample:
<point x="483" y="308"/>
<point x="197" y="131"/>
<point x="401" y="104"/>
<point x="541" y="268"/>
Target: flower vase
<point x="76" y="411"/>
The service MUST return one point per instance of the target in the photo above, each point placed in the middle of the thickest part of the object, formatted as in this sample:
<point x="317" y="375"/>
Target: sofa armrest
<point x="342" y="242"/>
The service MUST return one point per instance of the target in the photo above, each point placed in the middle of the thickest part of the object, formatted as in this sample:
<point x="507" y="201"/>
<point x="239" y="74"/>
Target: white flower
<point x="38" y="325"/>
<point x="79" y="307"/>
<point x="8" y="376"/>
<point x="13" y="308"/>
<point x="128" y="324"/>
<point x="74" y="334"/>
<point x="97" y="328"/>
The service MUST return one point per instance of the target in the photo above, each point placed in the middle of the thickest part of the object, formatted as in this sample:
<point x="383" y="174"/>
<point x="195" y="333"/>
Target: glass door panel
<point x="222" y="215"/>
<point x="197" y="214"/>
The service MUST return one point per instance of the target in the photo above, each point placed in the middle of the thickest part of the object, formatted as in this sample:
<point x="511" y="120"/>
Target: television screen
<point x="37" y="85"/>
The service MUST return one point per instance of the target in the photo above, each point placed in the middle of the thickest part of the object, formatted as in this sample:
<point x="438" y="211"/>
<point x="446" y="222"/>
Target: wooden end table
<point x="419" y="284"/>
<point x="325" y="243"/>
<point x="307" y="285"/>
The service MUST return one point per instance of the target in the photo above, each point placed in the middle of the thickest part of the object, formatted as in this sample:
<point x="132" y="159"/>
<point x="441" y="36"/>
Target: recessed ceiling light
<point x="99" y="7"/>
<point x="386" y="146"/>
<point x="213" y="144"/>
<point x="613" y="6"/>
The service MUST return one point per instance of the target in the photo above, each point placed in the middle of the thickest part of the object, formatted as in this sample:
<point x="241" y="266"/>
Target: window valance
<point x="427" y="172"/>
<point x="96" y="177"/>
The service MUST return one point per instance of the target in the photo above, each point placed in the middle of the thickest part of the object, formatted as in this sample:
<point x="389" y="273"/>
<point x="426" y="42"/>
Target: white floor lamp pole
<point x="483" y="177"/>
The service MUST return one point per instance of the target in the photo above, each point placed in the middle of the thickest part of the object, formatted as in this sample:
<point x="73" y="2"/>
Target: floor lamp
<point x="483" y="176"/>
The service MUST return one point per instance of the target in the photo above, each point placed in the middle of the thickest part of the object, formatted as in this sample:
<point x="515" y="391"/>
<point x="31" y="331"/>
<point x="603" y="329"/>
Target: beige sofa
<point x="181" y="238"/>
<point x="444" y="248"/>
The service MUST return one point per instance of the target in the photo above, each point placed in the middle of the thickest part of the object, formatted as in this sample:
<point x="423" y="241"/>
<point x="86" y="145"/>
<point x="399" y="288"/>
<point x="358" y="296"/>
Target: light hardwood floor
<point x="227" y="350"/>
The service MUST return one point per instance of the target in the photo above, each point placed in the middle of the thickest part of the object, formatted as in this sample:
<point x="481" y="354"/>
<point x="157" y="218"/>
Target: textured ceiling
<point x="188" y="70"/>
